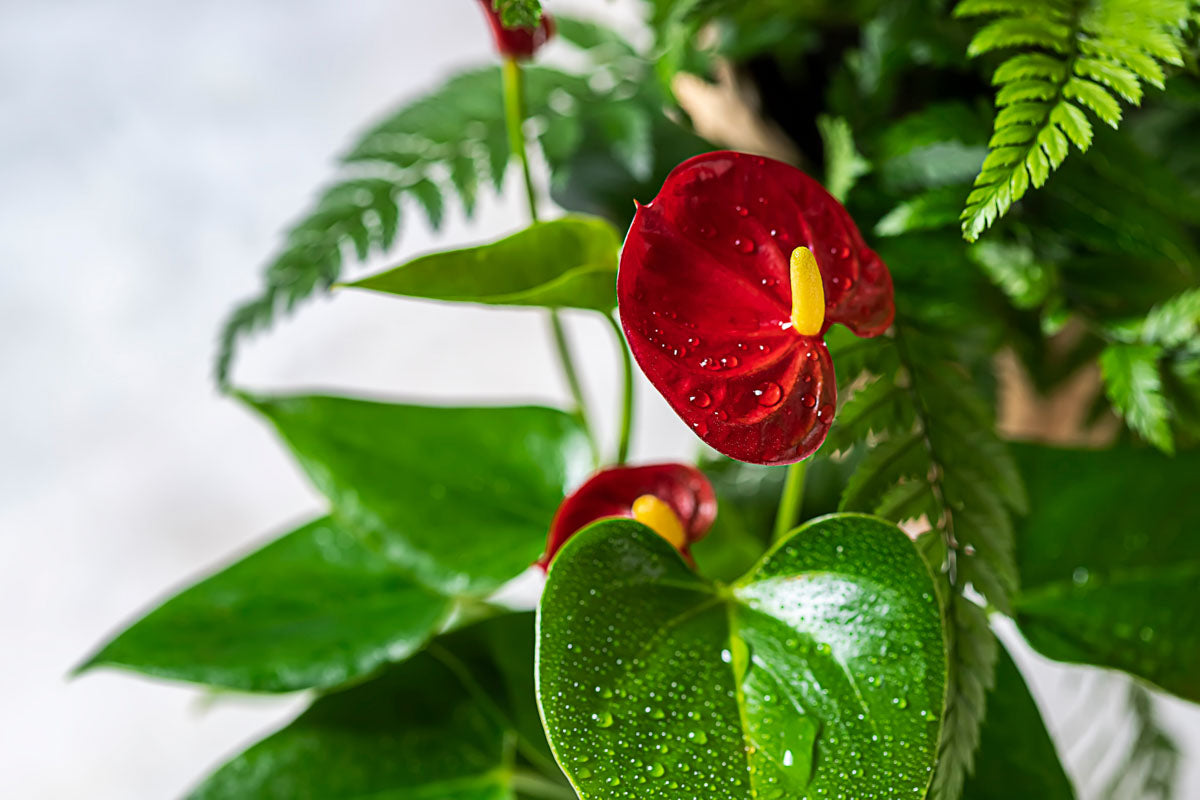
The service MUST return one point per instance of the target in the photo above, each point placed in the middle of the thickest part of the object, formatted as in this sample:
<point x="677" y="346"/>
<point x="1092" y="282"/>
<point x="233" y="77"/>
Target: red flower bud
<point x="519" y="43"/>
<point x="676" y="500"/>
<point x="728" y="281"/>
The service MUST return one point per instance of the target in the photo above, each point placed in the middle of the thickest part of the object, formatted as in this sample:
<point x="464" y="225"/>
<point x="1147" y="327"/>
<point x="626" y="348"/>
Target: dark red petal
<point x="705" y="297"/>
<point x="611" y="492"/>
<point x="520" y="43"/>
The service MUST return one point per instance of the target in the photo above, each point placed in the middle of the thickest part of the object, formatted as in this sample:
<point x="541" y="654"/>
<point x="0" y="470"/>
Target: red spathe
<point x="705" y="298"/>
<point x="611" y="493"/>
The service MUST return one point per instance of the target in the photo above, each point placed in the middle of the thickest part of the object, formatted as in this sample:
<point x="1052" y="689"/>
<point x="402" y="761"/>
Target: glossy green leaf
<point x="820" y="673"/>
<point x="1110" y="561"/>
<point x="444" y="725"/>
<point x="461" y="497"/>
<point x="568" y="263"/>
<point x="313" y="609"/>
<point x="1016" y="756"/>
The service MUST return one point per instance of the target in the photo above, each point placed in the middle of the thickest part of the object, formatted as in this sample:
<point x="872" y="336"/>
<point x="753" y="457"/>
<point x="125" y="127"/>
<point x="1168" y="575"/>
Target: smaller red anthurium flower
<point x="518" y="43"/>
<point x="674" y="500"/>
<point x="728" y="281"/>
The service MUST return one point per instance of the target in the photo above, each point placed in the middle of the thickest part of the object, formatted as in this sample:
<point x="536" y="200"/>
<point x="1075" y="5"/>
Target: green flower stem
<point x="790" y="500"/>
<point x="533" y="784"/>
<point x="568" y="368"/>
<point x="514" y="117"/>
<point x="627" y="403"/>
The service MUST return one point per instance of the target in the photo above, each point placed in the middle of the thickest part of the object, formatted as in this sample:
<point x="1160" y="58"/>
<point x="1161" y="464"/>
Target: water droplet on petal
<point x="769" y="394"/>
<point x="742" y="211"/>
<point x="700" y="399"/>
<point x="808" y="400"/>
<point x="744" y="245"/>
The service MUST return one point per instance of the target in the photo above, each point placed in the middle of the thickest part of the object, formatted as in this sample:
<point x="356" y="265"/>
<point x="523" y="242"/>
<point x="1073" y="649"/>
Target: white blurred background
<point x="150" y="153"/>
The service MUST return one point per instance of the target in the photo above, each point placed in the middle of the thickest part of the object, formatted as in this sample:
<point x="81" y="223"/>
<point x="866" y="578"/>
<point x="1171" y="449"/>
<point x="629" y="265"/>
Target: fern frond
<point x="452" y="142"/>
<point x="1077" y="54"/>
<point x="1134" y="386"/>
<point x="973" y="653"/>
<point x="934" y="455"/>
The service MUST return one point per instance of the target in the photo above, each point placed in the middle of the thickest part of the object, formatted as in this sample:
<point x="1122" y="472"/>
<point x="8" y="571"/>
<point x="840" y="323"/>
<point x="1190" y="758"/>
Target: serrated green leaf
<point x="897" y="458"/>
<point x="1094" y="46"/>
<point x="1094" y="96"/>
<point x="973" y="652"/>
<point x="460" y="497"/>
<point x="930" y="210"/>
<point x="567" y="263"/>
<point x="1015" y="270"/>
<point x="1134" y="386"/>
<point x="844" y="165"/>
<point x="739" y="652"/>
<point x="314" y="609"/>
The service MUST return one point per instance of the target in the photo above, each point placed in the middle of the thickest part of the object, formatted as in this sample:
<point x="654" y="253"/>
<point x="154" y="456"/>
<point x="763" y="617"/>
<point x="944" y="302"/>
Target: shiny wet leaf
<point x="821" y="673"/>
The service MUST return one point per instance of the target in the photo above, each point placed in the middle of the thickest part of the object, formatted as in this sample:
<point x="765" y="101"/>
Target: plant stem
<point x="790" y="500"/>
<point x="572" y="377"/>
<point x="536" y="785"/>
<point x="514" y="117"/>
<point x="627" y="402"/>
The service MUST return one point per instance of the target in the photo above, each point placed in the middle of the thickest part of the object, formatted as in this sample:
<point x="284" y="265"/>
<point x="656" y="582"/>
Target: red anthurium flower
<point x="675" y="500"/>
<point x="519" y="43"/>
<point x="728" y="281"/>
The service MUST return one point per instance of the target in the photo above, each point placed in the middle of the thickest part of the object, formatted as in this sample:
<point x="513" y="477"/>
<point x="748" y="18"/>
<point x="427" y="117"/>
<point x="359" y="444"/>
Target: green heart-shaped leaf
<point x="460" y="497"/>
<point x="314" y="608"/>
<point x="567" y="263"/>
<point x="1110" y="561"/>
<point x="821" y="673"/>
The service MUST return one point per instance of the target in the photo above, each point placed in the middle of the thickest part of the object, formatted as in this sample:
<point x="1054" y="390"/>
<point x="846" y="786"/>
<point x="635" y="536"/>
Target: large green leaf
<point x="1110" y="561"/>
<point x="570" y="262"/>
<point x="444" y="725"/>
<point x="821" y="673"/>
<point x="462" y="497"/>
<point x="312" y="609"/>
<point x="1016" y="755"/>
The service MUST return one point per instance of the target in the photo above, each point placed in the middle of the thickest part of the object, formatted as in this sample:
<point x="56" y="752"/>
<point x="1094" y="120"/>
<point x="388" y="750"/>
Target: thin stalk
<point x="514" y="118"/>
<point x="536" y="785"/>
<point x="559" y="334"/>
<point x="790" y="500"/>
<point x="626" y="429"/>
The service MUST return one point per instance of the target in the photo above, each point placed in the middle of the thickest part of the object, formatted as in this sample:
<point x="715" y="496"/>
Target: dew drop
<point x="745" y="245"/>
<point x="825" y="412"/>
<point x="729" y="362"/>
<point x="707" y="231"/>
<point x="742" y="211"/>
<point x="808" y="400"/>
<point x="769" y="394"/>
<point x="603" y="719"/>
